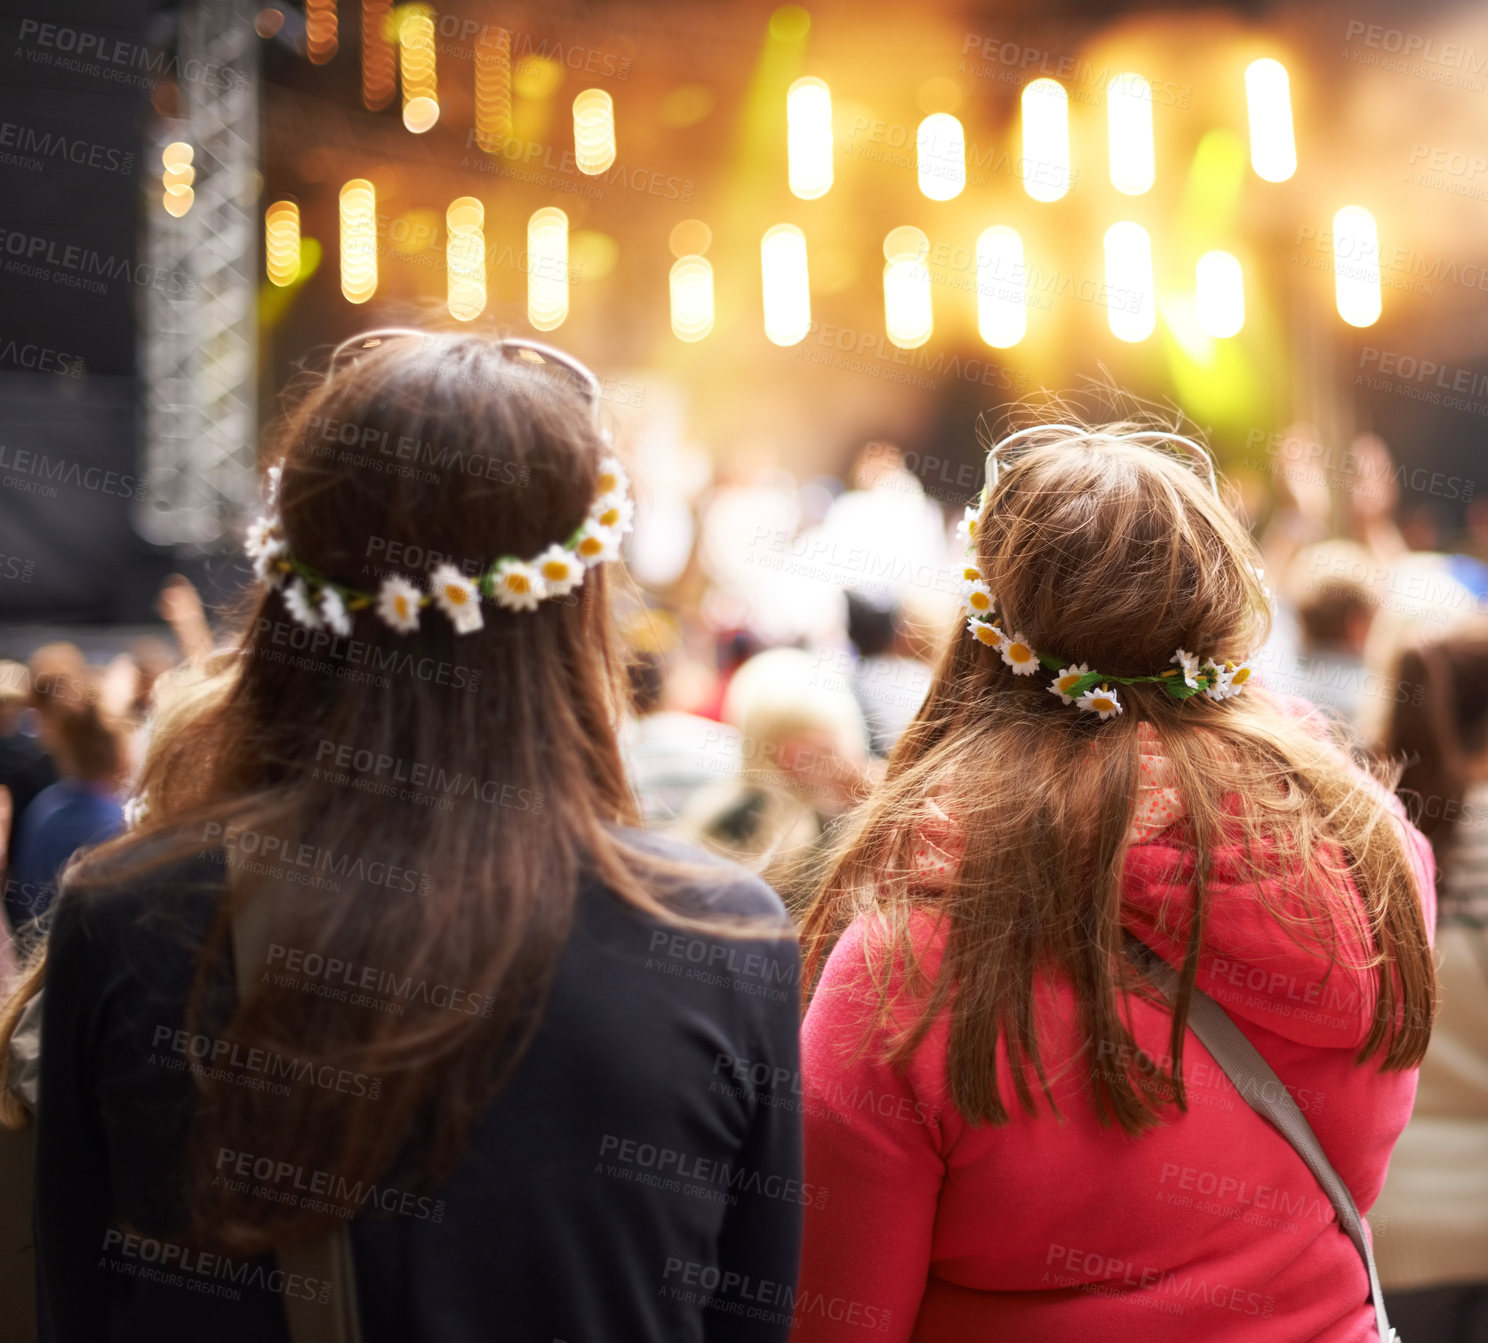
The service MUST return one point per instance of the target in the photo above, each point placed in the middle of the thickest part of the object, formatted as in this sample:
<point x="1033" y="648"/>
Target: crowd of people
<point x="404" y="1005"/>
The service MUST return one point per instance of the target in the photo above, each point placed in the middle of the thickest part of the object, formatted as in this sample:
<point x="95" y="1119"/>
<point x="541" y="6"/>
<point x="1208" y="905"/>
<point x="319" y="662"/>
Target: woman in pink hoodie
<point x="1012" y="1134"/>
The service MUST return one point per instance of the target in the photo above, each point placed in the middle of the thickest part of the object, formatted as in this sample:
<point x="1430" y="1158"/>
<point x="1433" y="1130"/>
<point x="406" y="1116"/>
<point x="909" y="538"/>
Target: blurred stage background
<point x="200" y="199"/>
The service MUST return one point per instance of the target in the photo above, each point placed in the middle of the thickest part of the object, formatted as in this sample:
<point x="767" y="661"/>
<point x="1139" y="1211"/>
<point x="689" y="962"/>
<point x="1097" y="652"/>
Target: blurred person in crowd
<point x="966" y="949"/>
<point x="888" y="682"/>
<point x="670" y="753"/>
<point x="476" y="842"/>
<point x="84" y="807"/>
<point x="804" y="762"/>
<point x="25" y="766"/>
<point x="1431" y="1220"/>
<point x="1328" y="586"/>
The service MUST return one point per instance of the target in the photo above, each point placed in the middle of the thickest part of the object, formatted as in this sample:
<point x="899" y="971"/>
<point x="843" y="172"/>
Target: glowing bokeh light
<point x="692" y="298"/>
<point x="493" y="91"/>
<point x="465" y="258"/>
<point x="1132" y="310"/>
<point x="1219" y="289"/>
<point x="320" y="30"/>
<point x="379" y="55"/>
<point x="1002" y="298"/>
<point x="282" y="242"/>
<point x="940" y="155"/>
<point x="908" y="312"/>
<point x="787" y="284"/>
<point x="808" y="118"/>
<point x="1268" y="96"/>
<point x="358" y="240"/>
<point x="1356" y="276"/>
<point x="547" y="268"/>
<point x="1046" y="151"/>
<point x="416" y="65"/>
<point x="1129" y="124"/>
<point x="594" y="132"/>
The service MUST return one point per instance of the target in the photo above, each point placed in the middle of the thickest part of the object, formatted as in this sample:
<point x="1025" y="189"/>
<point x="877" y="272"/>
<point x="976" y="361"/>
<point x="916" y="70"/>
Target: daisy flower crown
<point x="518" y="584"/>
<point x="1075" y="682"/>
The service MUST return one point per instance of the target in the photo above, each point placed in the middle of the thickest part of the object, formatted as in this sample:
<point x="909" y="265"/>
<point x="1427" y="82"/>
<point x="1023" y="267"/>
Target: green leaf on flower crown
<point x="1178" y="688"/>
<point x="1087" y="682"/>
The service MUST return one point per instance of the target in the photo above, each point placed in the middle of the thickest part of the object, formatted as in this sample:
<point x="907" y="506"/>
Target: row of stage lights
<point x="785" y="274"/>
<point x="941" y="171"/>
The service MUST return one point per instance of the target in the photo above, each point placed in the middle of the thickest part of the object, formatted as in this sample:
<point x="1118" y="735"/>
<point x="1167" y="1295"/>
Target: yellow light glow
<point x="379" y="60"/>
<point x="787" y="284"/>
<point x="592" y="255"/>
<point x="282" y="242"/>
<point x="416" y="64"/>
<point x="320" y="30"/>
<point x="908" y="318"/>
<point x="1046" y="152"/>
<point x="177" y="202"/>
<point x="808" y="118"/>
<point x="594" y="132"/>
<point x="537" y="77"/>
<point x="1002" y="296"/>
<point x="1268" y="95"/>
<point x="1129" y="122"/>
<point x="940" y="152"/>
<point x="465" y="258"/>
<point x="1132" y="307"/>
<point x="547" y="268"/>
<point x="177" y="177"/>
<point x="1356" y="276"/>
<point x="493" y="94"/>
<point x="692" y="298"/>
<point x="358" y="240"/>
<point x="177" y="154"/>
<point x="1219" y="288"/>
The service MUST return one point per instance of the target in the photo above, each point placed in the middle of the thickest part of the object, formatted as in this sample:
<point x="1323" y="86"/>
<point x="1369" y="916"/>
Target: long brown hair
<point x="1438" y="726"/>
<point x="434" y="446"/>
<point x="1112" y="554"/>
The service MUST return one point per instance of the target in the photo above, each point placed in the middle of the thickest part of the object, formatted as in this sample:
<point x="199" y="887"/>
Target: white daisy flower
<point x="966" y="529"/>
<point x="1102" y="700"/>
<point x="970" y="574"/>
<point x="1066" y="679"/>
<point x="1239" y="677"/>
<point x="1018" y="655"/>
<point x="596" y="544"/>
<point x="262" y="533"/>
<point x="300" y="605"/>
<point x="517" y="585"/>
<point x="612" y="478"/>
<point x="1189" y="662"/>
<point x="136" y="809"/>
<point x="984" y="631"/>
<point x="561" y="570"/>
<point x="457" y="597"/>
<point x="398" y="605"/>
<point x="1222" y="687"/>
<point x="266" y="562"/>
<point x="333" y="611"/>
<point x="979" y="599"/>
<point x="615" y="512"/>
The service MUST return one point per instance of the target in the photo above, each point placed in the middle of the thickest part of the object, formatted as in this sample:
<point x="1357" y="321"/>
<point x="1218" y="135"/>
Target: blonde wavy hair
<point x="1105" y="549"/>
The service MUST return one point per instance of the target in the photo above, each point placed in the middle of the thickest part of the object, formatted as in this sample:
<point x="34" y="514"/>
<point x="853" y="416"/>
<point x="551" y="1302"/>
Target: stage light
<point x="1046" y="154"/>
<point x="808" y="119"/>
<point x="787" y="284"/>
<point x="379" y="60"/>
<point x="908" y="318"/>
<point x="1219" y="288"/>
<point x="1002" y="300"/>
<point x="1129" y="123"/>
<point x="1268" y="95"/>
<point x="594" y="132"/>
<point x="358" y="240"/>
<point x="493" y="93"/>
<point x="1132" y="308"/>
<point x="177" y="177"/>
<point x="692" y="298"/>
<point x="1356" y="276"/>
<point x="547" y="268"/>
<point x="940" y="152"/>
<point x="416" y="63"/>
<point x="320" y="30"/>
<point x="282" y="242"/>
<point x="465" y="258"/>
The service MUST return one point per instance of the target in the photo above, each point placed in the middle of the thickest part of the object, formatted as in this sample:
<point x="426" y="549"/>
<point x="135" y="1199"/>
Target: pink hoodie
<point x="1208" y="1228"/>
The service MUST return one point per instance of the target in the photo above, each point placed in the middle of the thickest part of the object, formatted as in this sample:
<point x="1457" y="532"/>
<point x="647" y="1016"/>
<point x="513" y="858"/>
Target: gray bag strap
<point x="326" y="1259"/>
<point x="1266" y="1094"/>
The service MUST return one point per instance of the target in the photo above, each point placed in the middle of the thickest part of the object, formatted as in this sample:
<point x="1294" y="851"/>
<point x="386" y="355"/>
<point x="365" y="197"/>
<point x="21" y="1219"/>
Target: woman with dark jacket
<point x="385" y="953"/>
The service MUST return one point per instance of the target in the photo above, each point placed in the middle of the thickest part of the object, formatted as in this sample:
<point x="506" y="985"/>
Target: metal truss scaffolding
<point x="198" y="360"/>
